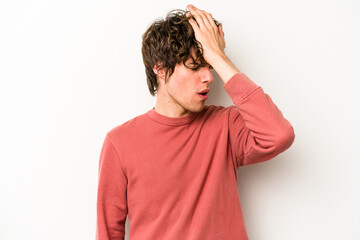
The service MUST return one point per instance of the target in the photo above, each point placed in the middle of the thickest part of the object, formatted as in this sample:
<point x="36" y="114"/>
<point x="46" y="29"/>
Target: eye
<point x="193" y="66"/>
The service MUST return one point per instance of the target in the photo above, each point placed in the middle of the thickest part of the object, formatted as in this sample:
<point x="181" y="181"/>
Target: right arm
<point x="111" y="196"/>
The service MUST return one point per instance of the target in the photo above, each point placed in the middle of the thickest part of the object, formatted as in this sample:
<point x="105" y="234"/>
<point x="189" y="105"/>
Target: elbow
<point x="281" y="141"/>
<point x="285" y="139"/>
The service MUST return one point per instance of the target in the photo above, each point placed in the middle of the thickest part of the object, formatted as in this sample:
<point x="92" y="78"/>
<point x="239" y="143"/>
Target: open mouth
<point x="203" y="96"/>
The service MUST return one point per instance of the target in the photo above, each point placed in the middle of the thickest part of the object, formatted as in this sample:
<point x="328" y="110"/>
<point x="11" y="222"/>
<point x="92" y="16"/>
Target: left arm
<point x="258" y="130"/>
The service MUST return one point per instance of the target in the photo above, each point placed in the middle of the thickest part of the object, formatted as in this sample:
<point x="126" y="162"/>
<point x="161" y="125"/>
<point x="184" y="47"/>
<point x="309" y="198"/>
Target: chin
<point x="198" y="109"/>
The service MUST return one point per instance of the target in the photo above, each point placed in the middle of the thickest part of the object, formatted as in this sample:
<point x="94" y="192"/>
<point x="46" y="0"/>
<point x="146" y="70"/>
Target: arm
<point x="257" y="129"/>
<point x="111" y="197"/>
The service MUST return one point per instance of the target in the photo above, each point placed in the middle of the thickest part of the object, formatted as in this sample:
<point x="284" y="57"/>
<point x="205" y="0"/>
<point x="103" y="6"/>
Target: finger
<point x="195" y="12"/>
<point x="194" y="24"/>
<point x="191" y="20"/>
<point x="221" y="30"/>
<point x="205" y="18"/>
<point x="222" y="34"/>
<point x="197" y="17"/>
<point x="210" y="19"/>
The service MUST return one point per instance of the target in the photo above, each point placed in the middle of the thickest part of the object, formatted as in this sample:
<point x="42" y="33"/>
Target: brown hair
<point x="168" y="42"/>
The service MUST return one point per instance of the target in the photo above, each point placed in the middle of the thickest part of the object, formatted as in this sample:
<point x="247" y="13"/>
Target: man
<point x="173" y="170"/>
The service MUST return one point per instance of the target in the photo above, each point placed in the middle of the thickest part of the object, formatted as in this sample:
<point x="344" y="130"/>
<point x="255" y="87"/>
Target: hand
<point x="207" y="33"/>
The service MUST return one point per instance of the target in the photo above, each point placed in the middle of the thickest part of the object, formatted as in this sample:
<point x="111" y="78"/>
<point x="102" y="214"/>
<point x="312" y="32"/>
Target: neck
<point x="170" y="109"/>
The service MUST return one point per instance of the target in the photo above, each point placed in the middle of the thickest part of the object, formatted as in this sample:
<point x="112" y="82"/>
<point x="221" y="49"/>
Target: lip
<point x="203" y="97"/>
<point x="205" y="90"/>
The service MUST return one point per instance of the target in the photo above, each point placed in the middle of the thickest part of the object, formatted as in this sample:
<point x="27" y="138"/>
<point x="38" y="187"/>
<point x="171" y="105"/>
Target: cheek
<point x="178" y="91"/>
<point x="181" y="89"/>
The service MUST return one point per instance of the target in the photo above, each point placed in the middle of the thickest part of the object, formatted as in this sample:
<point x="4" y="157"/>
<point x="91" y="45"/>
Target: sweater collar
<point x="171" y="120"/>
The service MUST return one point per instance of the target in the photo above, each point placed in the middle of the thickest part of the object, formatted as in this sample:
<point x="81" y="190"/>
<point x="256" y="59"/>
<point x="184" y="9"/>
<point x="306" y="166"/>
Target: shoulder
<point x="217" y="112"/>
<point x="218" y="109"/>
<point x="127" y="128"/>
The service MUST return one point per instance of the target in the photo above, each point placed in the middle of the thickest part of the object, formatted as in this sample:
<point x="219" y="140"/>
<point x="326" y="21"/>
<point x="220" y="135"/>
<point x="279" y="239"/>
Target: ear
<point x="159" y="72"/>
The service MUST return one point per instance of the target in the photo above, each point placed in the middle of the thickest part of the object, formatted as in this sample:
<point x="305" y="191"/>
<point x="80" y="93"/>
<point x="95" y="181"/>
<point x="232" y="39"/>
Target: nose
<point x="207" y="75"/>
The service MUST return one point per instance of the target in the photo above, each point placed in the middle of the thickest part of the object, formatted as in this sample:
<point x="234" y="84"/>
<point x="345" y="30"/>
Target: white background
<point x="72" y="70"/>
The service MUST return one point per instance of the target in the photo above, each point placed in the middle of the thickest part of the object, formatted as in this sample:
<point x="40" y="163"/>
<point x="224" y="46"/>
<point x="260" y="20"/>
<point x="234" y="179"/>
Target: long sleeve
<point x="257" y="129"/>
<point x="111" y="197"/>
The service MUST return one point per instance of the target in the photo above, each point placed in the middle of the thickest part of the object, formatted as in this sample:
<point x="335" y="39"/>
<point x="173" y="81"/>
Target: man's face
<point x="182" y="89"/>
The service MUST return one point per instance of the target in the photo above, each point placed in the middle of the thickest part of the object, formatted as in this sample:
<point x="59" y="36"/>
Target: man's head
<point x="169" y="48"/>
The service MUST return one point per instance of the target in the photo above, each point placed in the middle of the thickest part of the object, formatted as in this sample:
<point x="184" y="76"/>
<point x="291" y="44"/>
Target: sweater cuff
<point x="239" y="86"/>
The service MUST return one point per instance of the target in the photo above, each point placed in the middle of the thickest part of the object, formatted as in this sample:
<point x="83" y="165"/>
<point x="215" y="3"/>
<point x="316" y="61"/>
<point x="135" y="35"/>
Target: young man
<point x="173" y="170"/>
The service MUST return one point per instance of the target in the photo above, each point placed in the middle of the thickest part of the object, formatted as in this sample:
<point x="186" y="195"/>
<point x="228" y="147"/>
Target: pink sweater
<point x="176" y="178"/>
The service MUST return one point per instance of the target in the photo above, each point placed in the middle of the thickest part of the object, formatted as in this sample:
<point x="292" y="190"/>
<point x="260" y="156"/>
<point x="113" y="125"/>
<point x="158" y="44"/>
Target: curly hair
<point x="168" y="42"/>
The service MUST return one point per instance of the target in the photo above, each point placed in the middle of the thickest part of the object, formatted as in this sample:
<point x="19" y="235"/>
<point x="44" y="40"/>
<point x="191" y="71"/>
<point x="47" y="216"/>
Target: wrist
<point x="217" y="57"/>
<point x="224" y="67"/>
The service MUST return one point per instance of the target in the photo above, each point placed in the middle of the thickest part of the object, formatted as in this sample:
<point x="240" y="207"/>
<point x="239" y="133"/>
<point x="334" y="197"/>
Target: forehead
<point x="192" y="57"/>
<point x="193" y="54"/>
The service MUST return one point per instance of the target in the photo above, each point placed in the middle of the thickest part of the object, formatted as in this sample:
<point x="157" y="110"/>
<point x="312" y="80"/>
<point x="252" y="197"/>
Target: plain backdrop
<point x="72" y="70"/>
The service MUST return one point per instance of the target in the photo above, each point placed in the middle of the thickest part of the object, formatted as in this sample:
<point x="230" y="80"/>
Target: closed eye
<point x="194" y="69"/>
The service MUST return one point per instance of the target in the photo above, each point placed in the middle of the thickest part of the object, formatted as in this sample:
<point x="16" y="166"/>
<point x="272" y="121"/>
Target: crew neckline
<point x="171" y="120"/>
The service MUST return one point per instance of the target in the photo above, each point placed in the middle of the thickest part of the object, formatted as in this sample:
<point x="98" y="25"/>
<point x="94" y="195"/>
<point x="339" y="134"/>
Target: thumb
<point x="221" y="30"/>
